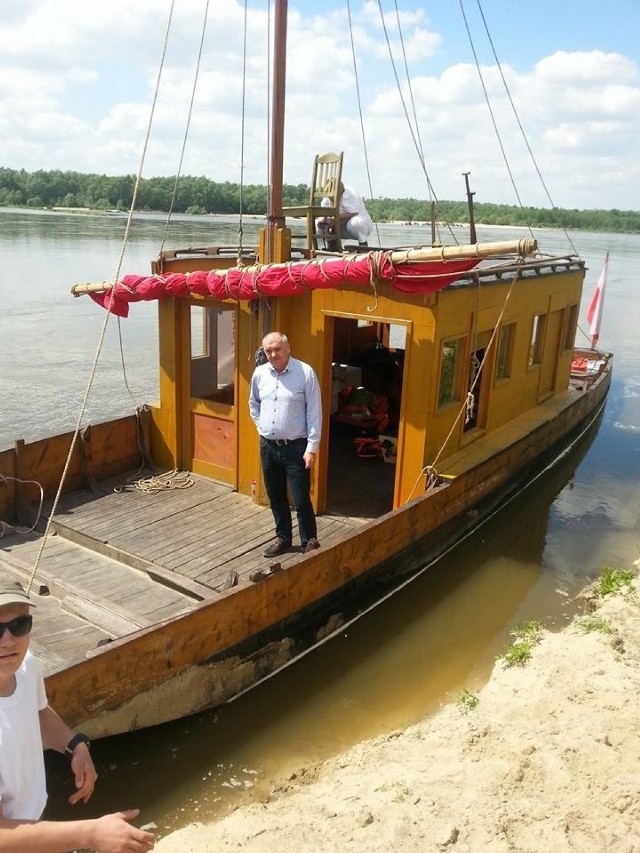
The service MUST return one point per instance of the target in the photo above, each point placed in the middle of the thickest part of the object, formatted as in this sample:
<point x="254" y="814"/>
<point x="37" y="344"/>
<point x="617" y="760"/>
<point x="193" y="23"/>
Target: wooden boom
<point x="423" y="254"/>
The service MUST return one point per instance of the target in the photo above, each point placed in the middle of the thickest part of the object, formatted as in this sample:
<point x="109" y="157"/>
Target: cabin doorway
<point x="367" y="373"/>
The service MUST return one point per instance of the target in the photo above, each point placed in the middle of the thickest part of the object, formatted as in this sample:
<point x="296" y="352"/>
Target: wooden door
<point x="550" y="354"/>
<point x="210" y="386"/>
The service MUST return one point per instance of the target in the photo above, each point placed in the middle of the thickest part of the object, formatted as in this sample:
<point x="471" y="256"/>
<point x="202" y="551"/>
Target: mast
<point x="272" y="247"/>
<point x="277" y="104"/>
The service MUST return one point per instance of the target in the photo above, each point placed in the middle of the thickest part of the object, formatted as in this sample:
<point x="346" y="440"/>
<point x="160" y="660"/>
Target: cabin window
<point x="505" y="351"/>
<point x="571" y="323"/>
<point x="450" y="372"/>
<point x="213" y="352"/>
<point x="537" y="339"/>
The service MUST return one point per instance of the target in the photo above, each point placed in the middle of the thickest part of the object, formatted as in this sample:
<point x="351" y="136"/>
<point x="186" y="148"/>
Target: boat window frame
<point x="570" y="327"/>
<point x="224" y="392"/>
<point x="457" y="380"/>
<point x="536" y="341"/>
<point x="505" y="360"/>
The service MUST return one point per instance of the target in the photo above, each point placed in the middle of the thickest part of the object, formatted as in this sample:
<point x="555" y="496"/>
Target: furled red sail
<point x="408" y="270"/>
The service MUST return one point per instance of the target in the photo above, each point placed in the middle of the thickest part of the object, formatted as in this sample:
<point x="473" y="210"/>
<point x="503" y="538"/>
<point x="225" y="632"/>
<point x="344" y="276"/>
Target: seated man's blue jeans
<point x="282" y="463"/>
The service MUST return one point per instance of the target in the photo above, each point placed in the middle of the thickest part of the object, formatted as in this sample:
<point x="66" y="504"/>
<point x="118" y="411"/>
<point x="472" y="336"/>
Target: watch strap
<point x="78" y="738"/>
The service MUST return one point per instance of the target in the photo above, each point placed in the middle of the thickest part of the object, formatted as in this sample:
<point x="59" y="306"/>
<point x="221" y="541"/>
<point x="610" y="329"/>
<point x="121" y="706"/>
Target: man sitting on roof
<point x="355" y="221"/>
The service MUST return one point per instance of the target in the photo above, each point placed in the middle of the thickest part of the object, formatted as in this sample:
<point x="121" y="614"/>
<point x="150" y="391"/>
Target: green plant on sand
<point x="526" y="635"/>
<point x="594" y="623"/>
<point x="467" y="701"/>
<point x="612" y="580"/>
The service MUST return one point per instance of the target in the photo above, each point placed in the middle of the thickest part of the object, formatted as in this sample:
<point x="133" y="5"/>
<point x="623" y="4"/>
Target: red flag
<point x="594" y="311"/>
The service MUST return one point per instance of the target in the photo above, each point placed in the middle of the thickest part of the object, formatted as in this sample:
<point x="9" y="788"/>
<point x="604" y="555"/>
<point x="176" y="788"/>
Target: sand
<point x="548" y="760"/>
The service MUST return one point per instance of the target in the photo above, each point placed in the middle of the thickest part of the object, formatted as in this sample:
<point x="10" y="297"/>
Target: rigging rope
<point x="413" y="103"/>
<point x="522" y="131"/>
<point x="430" y="471"/>
<point x="186" y="127"/>
<point x="5" y="527"/>
<point x="515" y="112"/>
<point x="490" y="108"/>
<point x="417" y="141"/>
<point x="175" y="183"/>
<point x="362" y="131"/>
<point x="94" y="366"/>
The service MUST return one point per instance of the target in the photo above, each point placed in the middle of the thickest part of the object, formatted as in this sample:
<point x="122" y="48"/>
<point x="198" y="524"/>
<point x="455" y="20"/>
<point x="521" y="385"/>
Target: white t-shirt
<point x="23" y="788"/>
<point x="350" y="202"/>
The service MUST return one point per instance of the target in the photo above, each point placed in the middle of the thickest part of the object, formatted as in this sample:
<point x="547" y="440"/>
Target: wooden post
<point x="472" y="223"/>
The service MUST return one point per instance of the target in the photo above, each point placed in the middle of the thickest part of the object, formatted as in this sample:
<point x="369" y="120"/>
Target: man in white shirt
<point x="27" y="724"/>
<point x="285" y="406"/>
<point x="355" y="221"/>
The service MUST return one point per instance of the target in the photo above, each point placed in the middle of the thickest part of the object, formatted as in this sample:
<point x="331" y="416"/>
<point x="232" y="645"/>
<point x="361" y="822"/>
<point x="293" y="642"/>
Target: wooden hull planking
<point x="220" y="648"/>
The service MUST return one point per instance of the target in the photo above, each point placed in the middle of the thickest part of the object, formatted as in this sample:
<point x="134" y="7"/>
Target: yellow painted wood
<point x="167" y="445"/>
<point x="216" y="472"/>
<point x="212" y="409"/>
<point x="552" y="343"/>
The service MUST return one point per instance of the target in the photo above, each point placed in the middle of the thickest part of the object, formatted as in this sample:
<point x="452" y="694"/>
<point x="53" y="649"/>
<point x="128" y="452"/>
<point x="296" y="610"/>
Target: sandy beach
<point x="546" y="757"/>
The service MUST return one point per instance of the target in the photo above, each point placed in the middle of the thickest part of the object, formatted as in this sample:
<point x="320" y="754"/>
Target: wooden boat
<point x="154" y="603"/>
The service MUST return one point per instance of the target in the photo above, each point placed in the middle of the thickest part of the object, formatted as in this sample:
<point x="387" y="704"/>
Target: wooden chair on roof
<point x="326" y="182"/>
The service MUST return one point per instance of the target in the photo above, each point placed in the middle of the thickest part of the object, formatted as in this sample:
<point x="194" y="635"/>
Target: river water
<point x="418" y="649"/>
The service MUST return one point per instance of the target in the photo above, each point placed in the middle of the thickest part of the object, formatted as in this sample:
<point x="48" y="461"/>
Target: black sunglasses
<point x="18" y="627"/>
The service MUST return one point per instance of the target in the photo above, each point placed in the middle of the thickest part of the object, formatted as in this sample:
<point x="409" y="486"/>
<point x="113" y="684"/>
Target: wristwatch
<point x="80" y="737"/>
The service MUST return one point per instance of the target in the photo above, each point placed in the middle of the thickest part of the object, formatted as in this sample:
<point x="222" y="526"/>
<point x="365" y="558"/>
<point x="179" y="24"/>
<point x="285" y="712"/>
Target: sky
<point x="79" y="79"/>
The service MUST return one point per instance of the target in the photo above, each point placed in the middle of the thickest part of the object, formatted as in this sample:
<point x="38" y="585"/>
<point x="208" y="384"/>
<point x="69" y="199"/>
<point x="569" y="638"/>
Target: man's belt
<point x="281" y="442"/>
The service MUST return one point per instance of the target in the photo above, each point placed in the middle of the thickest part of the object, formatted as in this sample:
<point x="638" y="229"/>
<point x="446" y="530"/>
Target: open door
<point x="366" y="393"/>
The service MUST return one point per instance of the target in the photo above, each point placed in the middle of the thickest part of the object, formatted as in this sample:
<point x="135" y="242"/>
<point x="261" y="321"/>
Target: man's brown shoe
<point x="310" y="546"/>
<point x="276" y="548"/>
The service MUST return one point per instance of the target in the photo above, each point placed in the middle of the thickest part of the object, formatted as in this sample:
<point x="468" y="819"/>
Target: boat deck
<point x="126" y="559"/>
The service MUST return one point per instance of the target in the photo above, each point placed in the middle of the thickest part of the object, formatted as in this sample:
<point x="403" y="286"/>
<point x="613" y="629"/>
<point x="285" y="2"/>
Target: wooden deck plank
<point x="203" y="539"/>
<point x="162" y="537"/>
<point x="216" y="549"/>
<point x="185" y="543"/>
<point x="71" y="570"/>
<point x="133" y="509"/>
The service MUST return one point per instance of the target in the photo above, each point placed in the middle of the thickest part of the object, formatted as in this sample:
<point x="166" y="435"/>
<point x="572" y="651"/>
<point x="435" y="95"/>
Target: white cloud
<point x="77" y="80"/>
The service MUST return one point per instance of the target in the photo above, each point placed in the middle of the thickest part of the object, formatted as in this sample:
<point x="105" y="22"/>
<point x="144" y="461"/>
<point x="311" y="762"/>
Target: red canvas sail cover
<point x="287" y="279"/>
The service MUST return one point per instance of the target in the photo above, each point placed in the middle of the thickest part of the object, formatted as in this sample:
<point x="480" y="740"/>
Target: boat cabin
<point x="409" y="380"/>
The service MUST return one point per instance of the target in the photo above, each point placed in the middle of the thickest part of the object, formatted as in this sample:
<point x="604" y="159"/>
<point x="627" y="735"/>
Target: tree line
<point x="199" y="195"/>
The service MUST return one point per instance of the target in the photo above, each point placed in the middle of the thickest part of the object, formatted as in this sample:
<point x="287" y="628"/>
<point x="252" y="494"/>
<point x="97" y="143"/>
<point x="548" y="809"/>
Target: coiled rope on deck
<point x="167" y="481"/>
<point x="5" y="527"/>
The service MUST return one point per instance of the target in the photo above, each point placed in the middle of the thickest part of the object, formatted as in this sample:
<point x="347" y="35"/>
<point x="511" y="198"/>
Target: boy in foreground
<point x="27" y="724"/>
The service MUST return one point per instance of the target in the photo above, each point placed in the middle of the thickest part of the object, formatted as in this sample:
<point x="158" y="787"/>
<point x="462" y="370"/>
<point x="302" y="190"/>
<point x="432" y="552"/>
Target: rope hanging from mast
<point x="185" y="135"/>
<point x="362" y="130"/>
<point x="414" y="129"/>
<point x="515" y="113"/>
<point x="430" y="472"/>
<point x="108" y="305"/>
